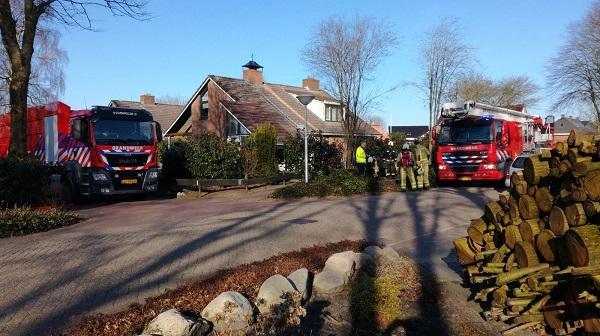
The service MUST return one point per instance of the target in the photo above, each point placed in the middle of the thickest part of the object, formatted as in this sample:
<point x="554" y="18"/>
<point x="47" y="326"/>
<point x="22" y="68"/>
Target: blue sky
<point x="186" y="40"/>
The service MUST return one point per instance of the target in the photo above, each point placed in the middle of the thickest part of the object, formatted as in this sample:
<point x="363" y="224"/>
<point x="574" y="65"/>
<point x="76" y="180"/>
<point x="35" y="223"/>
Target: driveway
<point x="128" y="251"/>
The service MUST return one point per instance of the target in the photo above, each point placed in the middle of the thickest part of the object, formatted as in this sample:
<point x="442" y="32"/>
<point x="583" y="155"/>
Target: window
<point x="234" y="127"/>
<point x="204" y="106"/>
<point x="498" y="131"/>
<point x="333" y="113"/>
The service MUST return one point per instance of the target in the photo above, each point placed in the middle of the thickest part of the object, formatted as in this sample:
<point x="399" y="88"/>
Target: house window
<point x="234" y="127"/>
<point x="333" y="113"/>
<point x="204" y="106"/>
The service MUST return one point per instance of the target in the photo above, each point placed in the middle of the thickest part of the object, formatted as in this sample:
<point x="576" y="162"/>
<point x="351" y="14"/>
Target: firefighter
<point x="406" y="168"/>
<point x="361" y="158"/>
<point x="421" y="155"/>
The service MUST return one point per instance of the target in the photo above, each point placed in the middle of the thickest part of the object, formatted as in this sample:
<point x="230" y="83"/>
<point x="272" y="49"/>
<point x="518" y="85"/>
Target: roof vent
<point x="252" y="73"/>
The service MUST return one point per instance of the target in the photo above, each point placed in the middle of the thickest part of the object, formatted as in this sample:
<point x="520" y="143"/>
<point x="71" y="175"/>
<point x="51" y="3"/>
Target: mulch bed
<point x="193" y="297"/>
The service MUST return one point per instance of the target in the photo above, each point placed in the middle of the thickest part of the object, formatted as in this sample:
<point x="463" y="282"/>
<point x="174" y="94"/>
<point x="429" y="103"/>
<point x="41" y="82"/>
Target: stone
<point x="362" y="259"/>
<point x="379" y="254"/>
<point x="390" y="253"/>
<point x="330" y="281"/>
<point x="373" y="250"/>
<point x="343" y="262"/>
<point x="300" y="280"/>
<point x="230" y="311"/>
<point x="272" y="292"/>
<point x="173" y="323"/>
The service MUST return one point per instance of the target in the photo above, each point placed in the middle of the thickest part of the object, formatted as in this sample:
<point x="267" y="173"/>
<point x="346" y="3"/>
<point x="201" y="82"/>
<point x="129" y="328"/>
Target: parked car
<point x="515" y="166"/>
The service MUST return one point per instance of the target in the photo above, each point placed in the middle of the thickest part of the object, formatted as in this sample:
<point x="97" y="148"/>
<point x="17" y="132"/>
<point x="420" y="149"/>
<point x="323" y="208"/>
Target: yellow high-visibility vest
<point x="361" y="156"/>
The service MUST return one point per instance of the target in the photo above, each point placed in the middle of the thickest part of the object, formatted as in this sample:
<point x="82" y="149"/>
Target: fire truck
<point x="475" y="141"/>
<point x="100" y="151"/>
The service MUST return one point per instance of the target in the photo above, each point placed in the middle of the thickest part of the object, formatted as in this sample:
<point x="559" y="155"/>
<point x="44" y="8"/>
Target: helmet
<point x="405" y="147"/>
<point x="420" y="171"/>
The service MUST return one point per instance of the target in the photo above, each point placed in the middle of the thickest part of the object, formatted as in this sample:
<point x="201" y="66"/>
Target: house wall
<point x="216" y="113"/>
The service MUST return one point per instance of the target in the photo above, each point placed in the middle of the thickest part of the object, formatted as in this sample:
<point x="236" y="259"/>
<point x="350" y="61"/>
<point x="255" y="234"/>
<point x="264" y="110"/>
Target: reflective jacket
<point x="361" y="156"/>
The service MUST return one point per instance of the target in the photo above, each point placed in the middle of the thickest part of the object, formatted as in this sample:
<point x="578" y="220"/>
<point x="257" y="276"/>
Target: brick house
<point x="564" y="125"/>
<point x="235" y="107"/>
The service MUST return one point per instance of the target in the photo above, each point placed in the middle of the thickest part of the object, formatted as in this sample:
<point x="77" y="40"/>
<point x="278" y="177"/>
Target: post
<point x="305" y="144"/>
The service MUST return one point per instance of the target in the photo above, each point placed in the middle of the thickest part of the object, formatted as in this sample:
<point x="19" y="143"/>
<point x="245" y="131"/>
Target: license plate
<point x="129" y="181"/>
<point x="464" y="178"/>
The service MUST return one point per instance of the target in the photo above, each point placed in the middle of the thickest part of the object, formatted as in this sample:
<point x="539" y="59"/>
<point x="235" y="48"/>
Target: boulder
<point x="390" y="254"/>
<point x="379" y="254"/>
<point x="230" y="311"/>
<point x="329" y="281"/>
<point x="363" y="259"/>
<point x="300" y="281"/>
<point x="373" y="250"/>
<point x="272" y="292"/>
<point x="343" y="262"/>
<point x="173" y="323"/>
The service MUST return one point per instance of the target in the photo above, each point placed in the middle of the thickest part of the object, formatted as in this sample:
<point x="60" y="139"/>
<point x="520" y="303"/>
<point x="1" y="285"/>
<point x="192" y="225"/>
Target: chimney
<point x="252" y="72"/>
<point x="147" y="99"/>
<point x="310" y="83"/>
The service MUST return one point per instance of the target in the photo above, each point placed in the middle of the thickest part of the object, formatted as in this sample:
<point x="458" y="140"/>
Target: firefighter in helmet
<point x="421" y="155"/>
<point x="406" y="168"/>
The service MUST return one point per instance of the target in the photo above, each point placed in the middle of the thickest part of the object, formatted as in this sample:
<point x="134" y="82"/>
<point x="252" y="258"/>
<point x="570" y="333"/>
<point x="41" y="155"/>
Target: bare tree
<point x="345" y="54"/>
<point x="508" y="91"/>
<point x="172" y="100"/>
<point x="574" y="74"/>
<point x="19" y="44"/>
<point x="443" y="57"/>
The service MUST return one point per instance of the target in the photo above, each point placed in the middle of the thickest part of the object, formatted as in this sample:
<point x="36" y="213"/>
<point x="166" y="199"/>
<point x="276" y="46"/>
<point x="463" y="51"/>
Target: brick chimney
<point x="310" y="83"/>
<point x="253" y="73"/>
<point x="147" y="99"/>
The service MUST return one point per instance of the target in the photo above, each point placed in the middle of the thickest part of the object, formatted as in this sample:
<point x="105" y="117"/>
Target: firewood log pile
<point x="533" y="258"/>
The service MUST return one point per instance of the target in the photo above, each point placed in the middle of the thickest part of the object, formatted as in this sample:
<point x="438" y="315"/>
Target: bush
<point x="173" y="161"/>
<point x="23" y="181"/>
<point x="324" y="156"/>
<point x="22" y="221"/>
<point x="338" y="183"/>
<point x="263" y="143"/>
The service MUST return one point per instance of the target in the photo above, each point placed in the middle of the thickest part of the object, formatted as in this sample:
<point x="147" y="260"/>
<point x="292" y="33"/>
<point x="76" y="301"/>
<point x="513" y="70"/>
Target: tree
<point x="443" y="57"/>
<point x="171" y="100"/>
<point x="508" y="91"/>
<point x="574" y="74"/>
<point x="346" y="54"/>
<point x="20" y="24"/>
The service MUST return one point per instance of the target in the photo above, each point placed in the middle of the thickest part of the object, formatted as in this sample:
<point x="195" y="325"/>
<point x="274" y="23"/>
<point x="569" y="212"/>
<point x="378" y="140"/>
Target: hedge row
<point x="338" y="183"/>
<point x="22" y="221"/>
<point x="23" y="181"/>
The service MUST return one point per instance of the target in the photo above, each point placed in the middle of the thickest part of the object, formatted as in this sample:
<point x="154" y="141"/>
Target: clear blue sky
<point x="186" y="40"/>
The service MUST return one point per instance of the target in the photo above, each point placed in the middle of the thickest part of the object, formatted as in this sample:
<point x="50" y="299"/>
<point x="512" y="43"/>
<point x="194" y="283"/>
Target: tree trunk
<point x="583" y="245"/>
<point x="534" y="170"/>
<point x="18" y="112"/>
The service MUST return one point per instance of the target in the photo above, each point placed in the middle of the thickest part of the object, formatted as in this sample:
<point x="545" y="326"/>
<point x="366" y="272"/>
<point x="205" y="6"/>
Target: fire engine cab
<point x="475" y="141"/>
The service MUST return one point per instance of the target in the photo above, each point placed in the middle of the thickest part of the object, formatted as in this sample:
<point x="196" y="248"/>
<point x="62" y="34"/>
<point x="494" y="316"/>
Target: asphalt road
<point x="128" y="251"/>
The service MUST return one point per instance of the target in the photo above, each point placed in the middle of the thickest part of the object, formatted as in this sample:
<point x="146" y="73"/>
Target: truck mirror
<point x="76" y="129"/>
<point x="159" y="135"/>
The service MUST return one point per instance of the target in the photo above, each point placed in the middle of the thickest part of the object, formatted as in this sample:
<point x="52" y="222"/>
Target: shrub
<point x="338" y="183"/>
<point x="263" y="142"/>
<point x="22" y="221"/>
<point x="23" y="181"/>
<point x="376" y="301"/>
<point x="324" y="156"/>
<point x="173" y="161"/>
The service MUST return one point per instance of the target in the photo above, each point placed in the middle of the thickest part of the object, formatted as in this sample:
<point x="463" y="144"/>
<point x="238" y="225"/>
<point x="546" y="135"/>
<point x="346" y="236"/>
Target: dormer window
<point x="333" y="113"/>
<point x="204" y="106"/>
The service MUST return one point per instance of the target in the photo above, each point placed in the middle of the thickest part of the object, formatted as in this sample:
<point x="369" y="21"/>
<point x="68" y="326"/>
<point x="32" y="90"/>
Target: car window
<point x="519" y="162"/>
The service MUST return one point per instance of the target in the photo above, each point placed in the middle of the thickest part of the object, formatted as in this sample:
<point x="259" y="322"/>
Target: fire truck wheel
<point x="68" y="188"/>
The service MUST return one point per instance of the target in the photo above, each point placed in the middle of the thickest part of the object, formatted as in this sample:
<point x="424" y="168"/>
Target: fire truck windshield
<point x="123" y="132"/>
<point x="465" y="133"/>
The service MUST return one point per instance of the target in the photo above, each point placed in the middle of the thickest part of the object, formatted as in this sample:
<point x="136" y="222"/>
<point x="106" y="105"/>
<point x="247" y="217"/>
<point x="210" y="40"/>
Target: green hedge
<point x="324" y="156"/>
<point x="23" y="181"/>
<point x="338" y="183"/>
<point x="22" y="221"/>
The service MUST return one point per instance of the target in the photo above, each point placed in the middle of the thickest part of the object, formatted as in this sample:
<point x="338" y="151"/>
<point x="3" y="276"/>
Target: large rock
<point x="272" y="292"/>
<point x="390" y="254"/>
<point x="380" y="254"/>
<point x="363" y="259"/>
<point x="300" y="281"/>
<point x="329" y="281"/>
<point x="343" y="262"/>
<point x="230" y="311"/>
<point x="173" y="323"/>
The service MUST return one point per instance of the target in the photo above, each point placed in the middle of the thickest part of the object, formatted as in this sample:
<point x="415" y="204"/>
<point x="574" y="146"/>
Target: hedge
<point x="22" y="221"/>
<point x="338" y="183"/>
<point x="23" y="181"/>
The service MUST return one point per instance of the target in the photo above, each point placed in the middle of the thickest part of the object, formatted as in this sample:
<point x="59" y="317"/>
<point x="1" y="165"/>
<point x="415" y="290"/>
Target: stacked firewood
<point x="533" y="258"/>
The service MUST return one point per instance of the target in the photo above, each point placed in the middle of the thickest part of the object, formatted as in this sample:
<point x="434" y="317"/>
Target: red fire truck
<point x="475" y="141"/>
<point x="102" y="151"/>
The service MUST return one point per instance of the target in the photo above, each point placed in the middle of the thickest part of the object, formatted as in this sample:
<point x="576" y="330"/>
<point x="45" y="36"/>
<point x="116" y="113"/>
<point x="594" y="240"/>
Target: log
<point x="516" y="177"/>
<point x="525" y="254"/>
<point x="474" y="246"/>
<point x="499" y="296"/>
<point x="511" y="276"/>
<point x="591" y="185"/>
<point x="575" y="214"/>
<point x="561" y="148"/>
<point x="521" y="187"/>
<point x="582" y="168"/>
<point x="465" y="254"/>
<point x="528" y="207"/>
<point x="583" y="245"/>
<point x="573" y="155"/>
<point x="529" y="229"/>
<point x="503" y="199"/>
<point x="512" y="236"/>
<point x="531" y="190"/>
<point x="544" y="199"/>
<point x="498" y="257"/>
<point x="554" y="313"/>
<point x="491" y="211"/>
<point x="545" y="245"/>
<point x="534" y="169"/>
<point x="558" y="221"/>
<point x="565" y="166"/>
<point x="578" y="195"/>
<point x="591" y="208"/>
<point x="578" y="136"/>
<point x="477" y="230"/>
<point x="587" y="148"/>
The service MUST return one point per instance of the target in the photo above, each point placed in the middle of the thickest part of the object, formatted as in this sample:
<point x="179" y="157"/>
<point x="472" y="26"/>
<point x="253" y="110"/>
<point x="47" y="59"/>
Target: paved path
<point x="128" y="251"/>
